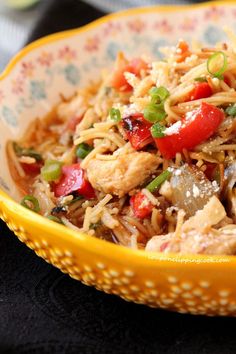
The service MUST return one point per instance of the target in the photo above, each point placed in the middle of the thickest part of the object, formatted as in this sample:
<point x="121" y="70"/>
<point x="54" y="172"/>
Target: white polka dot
<point x="171" y="279"/>
<point x="134" y="288"/>
<point x="167" y="301"/>
<point x="100" y="265"/>
<point x="186" y="286"/>
<point x="106" y="281"/>
<point x="224" y="293"/>
<point x="197" y="292"/>
<point x="125" y="280"/>
<point x="106" y="274"/>
<point x="129" y="273"/>
<point x="113" y="273"/>
<point x="208" y="305"/>
<point x="68" y="253"/>
<point x="154" y="292"/>
<point x="192" y="310"/>
<point x="224" y="301"/>
<point x="117" y="282"/>
<point x="91" y="276"/>
<point x="149" y="284"/>
<point x="182" y="310"/>
<point x="176" y="289"/>
<point x="87" y="268"/>
<point x="201" y="308"/>
<point x="204" y="284"/>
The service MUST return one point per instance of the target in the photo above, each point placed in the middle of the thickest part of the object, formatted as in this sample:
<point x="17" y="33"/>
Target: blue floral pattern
<point x="9" y="116"/>
<point x="37" y="90"/>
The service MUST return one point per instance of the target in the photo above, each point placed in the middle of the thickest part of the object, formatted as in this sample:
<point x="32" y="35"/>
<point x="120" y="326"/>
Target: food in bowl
<point x="144" y="158"/>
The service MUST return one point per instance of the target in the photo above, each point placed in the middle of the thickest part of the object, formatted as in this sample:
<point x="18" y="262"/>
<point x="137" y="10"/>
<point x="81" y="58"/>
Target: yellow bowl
<point x="31" y="86"/>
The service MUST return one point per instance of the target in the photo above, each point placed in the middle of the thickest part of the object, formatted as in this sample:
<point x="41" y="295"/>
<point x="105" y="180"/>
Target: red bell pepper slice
<point x="134" y="66"/>
<point x="32" y="169"/>
<point x="227" y="80"/>
<point x="73" y="180"/>
<point x="201" y="90"/>
<point x="140" y="205"/>
<point x="197" y="126"/>
<point x="137" y="130"/>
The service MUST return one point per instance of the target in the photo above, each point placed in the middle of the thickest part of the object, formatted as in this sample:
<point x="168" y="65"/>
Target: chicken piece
<point x="193" y="242"/>
<point x="212" y="213"/>
<point x="197" y="235"/>
<point x="122" y="174"/>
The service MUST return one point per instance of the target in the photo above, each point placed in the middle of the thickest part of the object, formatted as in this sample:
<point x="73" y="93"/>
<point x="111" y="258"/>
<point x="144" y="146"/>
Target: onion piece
<point x="191" y="190"/>
<point x="230" y="190"/>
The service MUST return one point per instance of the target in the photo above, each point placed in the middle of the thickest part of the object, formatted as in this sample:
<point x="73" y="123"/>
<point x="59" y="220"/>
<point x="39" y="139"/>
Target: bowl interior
<point x="31" y="85"/>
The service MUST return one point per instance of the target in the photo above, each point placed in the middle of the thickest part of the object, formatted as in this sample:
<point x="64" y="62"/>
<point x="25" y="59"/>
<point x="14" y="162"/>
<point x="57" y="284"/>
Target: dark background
<point x="44" y="311"/>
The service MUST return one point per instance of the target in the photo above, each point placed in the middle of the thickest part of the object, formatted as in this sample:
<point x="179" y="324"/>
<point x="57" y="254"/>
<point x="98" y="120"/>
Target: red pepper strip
<point x="73" y="180"/>
<point x="32" y="168"/>
<point x="140" y="205"/>
<point x="134" y="66"/>
<point x="197" y="126"/>
<point x="201" y="90"/>
<point x="137" y="130"/>
<point x="227" y="80"/>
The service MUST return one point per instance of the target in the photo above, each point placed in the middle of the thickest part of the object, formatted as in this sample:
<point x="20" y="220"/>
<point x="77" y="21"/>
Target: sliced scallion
<point x="200" y="79"/>
<point x="154" y="113"/>
<point x="158" y="130"/>
<point x="55" y="219"/>
<point x="158" y="94"/>
<point x="217" y="64"/>
<point x="51" y="170"/>
<point x="83" y="150"/>
<point x="115" y="114"/>
<point x="26" y="152"/>
<point x="231" y="111"/>
<point x="31" y="203"/>
<point x="157" y="182"/>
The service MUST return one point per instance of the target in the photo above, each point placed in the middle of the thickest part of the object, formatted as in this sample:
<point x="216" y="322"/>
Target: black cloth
<point x="44" y="311"/>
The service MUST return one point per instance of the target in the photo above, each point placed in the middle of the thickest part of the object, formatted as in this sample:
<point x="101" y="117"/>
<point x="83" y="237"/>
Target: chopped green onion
<point x="26" y="152"/>
<point x="154" y="113"/>
<point x="157" y="182"/>
<point x="51" y="170"/>
<point x="115" y="114"/>
<point x="217" y="64"/>
<point x="83" y="150"/>
<point x="200" y="79"/>
<point x="30" y="202"/>
<point x="158" y="130"/>
<point x="158" y="94"/>
<point x="231" y="110"/>
<point x="55" y="218"/>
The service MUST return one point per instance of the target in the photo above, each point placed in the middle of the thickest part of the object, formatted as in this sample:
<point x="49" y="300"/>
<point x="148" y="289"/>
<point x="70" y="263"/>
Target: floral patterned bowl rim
<point x="105" y="249"/>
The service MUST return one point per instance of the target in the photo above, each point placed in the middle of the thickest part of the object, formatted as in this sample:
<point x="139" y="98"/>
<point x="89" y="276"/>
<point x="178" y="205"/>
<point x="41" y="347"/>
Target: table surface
<point x="45" y="311"/>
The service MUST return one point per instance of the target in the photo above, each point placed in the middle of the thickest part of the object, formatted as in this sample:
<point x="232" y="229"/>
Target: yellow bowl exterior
<point x="187" y="284"/>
